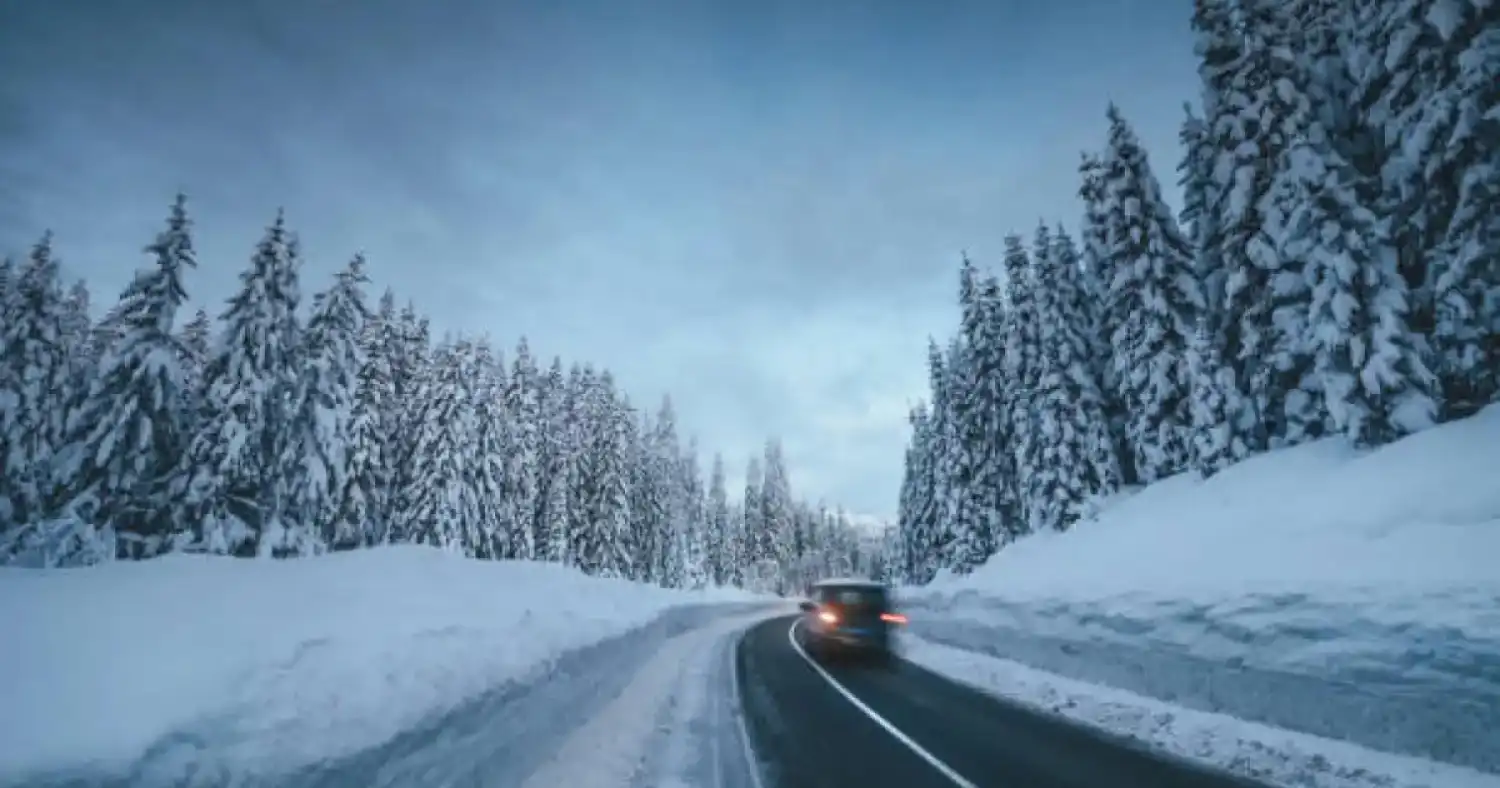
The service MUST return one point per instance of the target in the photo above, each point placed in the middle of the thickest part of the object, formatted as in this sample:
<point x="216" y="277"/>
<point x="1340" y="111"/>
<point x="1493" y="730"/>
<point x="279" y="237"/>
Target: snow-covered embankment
<point x="275" y="665"/>
<point x="1350" y="596"/>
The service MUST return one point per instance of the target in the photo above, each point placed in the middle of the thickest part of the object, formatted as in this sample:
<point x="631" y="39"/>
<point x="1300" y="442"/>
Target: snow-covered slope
<point x="286" y="661"/>
<point x="1350" y="595"/>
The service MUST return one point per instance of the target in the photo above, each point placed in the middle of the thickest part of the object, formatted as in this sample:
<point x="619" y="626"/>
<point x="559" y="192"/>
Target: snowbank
<point x="287" y="661"/>
<point x="1270" y="755"/>
<point x="1352" y="595"/>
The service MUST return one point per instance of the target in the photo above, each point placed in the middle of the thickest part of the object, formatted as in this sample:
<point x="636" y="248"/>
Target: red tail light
<point x="893" y="618"/>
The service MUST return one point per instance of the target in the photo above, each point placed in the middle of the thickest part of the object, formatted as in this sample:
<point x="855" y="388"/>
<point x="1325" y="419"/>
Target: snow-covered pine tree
<point x="1366" y="377"/>
<point x="738" y="549"/>
<point x="1243" y="121"/>
<point x="366" y="491"/>
<point x="193" y="340"/>
<point x="1428" y="89"/>
<point x="1102" y="316"/>
<point x="1022" y="368"/>
<point x="647" y="500"/>
<point x="230" y="477"/>
<point x="284" y="533"/>
<point x="523" y="459"/>
<point x="614" y="448"/>
<point x="1214" y="444"/>
<point x="411" y="358"/>
<point x="442" y="502"/>
<point x="556" y="463"/>
<point x="321" y="440"/>
<point x="1199" y="224"/>
<point x="128" y="433"/>
<point x="36" y="365"/>
<point x="1155" y="290"/>
<point x="659" y="522"/>
<point x="694" y="537"/>
<point x="83" y="357"/>
<point x="976" y="514"/>
<point x="1070" y="403"/>
<point x="925" y="528"/>
<point x="759" y="549"/>
<point x="722" y="550"/>
<point x="776" y="511"/>
<point x="486" y="477"/>
<point x="583" y="541"/>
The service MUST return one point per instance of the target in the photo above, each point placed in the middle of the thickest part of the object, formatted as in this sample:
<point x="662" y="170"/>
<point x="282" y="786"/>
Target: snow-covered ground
<point x="1347" y="595"/>
<point x="266" y="667"/>
<point x="1273" y="755"/>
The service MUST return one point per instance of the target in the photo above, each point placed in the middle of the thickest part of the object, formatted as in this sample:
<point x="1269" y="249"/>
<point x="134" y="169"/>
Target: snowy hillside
<point x="274" y="664"/>
<point x="1353" y="595"/>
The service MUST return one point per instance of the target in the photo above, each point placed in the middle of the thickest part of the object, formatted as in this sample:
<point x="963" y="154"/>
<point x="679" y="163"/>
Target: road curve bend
<point x="852" y="726"/>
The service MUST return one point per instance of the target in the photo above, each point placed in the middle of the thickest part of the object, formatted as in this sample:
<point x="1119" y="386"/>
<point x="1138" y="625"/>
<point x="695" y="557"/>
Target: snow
<point x="284" y="662"/>
<point x="1273" y="755"/>
<point x="1343" y="593"/>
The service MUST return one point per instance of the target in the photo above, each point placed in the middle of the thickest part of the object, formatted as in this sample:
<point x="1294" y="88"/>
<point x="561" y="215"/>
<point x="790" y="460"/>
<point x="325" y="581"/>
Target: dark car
<point x="850" y="617"/>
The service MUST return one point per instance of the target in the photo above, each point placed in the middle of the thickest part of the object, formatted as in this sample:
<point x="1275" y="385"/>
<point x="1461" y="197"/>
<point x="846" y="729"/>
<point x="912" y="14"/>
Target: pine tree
<point x="78" y="346"/>
<point x="411" y="356"/>
<point x="193" y="341"/>
<point x="1102" y="316"/>
<point x="441" y="500"/>
<point x="1214" y="445"/>
<point x="695" y="542"/>
<point x="36" y="366"/>
<point x="363" y="500"/>
<point x="523" y="460"/>
<point x="231" y="477"/>
<point x="758" y="545"/>
<point x="982" y="421"/>
<point x="486" y="475"/>
<point x="582" y="537"/>
<point x="1154" y="291"/>
<point x="128" y="433"/>
<point x="776" y="511"/>
<point x="1199" y="222"/>
<point x="322" y="430"/>
<point x="1428" y="89"/>
<point x="722" y="552"/>
<point x="1022" y="359"/>
<point x="1077" y="444"/>
<point x="556" y="463"/>
<point x="1368" y="373"/>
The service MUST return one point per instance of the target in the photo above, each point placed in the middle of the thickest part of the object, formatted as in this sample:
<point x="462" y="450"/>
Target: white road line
<point x="751" y="762"/>
<point x="931" y="759"/>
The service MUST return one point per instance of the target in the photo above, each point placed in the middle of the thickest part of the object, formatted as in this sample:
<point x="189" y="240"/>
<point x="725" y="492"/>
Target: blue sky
<point x="757" y="207"/>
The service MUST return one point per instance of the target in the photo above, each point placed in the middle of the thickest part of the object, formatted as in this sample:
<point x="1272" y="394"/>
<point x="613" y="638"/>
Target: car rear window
<point x="853" y="596"/>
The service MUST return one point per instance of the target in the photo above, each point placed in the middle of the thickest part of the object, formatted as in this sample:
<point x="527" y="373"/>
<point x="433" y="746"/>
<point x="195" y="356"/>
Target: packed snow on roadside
<point x="1272" y="755"/>
<point x="1351" y="595"/>
<point x="289" y="662"/>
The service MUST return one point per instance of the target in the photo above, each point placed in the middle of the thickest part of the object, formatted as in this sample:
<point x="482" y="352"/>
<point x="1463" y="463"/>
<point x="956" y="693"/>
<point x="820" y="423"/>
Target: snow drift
<point x="287" y="662"/>
<point x="1354" y="595"/>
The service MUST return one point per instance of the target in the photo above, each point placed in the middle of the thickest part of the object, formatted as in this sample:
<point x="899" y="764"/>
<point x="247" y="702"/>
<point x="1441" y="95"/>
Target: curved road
<point x="848" y="726"/>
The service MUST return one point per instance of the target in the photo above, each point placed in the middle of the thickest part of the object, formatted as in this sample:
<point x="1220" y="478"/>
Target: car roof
<point x="846" y="582"/>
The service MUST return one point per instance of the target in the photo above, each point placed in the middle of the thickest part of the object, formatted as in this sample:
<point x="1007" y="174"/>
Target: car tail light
<point x="827" y="616"/>
<point x="893" y="618"/>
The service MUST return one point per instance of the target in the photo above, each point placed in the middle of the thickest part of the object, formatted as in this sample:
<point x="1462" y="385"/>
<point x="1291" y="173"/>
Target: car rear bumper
<point x="867" y="641"/>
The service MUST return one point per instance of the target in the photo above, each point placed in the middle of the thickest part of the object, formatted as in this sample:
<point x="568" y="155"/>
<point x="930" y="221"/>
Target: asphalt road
<point x="919" y="730"/>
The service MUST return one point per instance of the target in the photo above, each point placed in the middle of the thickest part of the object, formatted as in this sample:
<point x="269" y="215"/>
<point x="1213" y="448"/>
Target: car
<point x="850" y="617"/>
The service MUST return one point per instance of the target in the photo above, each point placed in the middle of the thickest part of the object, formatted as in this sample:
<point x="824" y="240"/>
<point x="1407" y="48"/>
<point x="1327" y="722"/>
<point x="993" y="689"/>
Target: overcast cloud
<point x="757" y="207"/>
